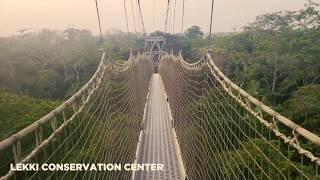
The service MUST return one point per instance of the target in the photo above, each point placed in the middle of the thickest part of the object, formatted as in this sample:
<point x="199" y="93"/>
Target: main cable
<point x="169" y="18"/>
<point x="141" y="16"/>
<point x="125" y="10"/>
<point x="166" y="20"/>
<point x="99" y="21"/>
<point x="211" y="19"/>
<point x="153" y="13"/>
<point x="174" y="16"/>
<point x="182" y="21"/>
<point x="134" y="18"/>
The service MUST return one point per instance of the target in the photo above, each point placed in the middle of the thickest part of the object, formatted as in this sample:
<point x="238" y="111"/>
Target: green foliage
<point x="275" y="55"/>
<point x="304" y="107"/>
<point x="48" y="64"/>
<point x="17" y="112"/>
<point x="53" y="64"/>
<point x="261" y="150"/>
<point x="194" y="33"/>
<point x="276" y="59"/>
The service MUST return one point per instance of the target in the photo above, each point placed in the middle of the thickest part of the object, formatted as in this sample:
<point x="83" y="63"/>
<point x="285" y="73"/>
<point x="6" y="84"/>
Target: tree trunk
<point x="274" y="80"/>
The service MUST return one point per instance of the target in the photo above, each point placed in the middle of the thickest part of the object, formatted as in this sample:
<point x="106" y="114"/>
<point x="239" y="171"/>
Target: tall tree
<point x="194" y="33"/>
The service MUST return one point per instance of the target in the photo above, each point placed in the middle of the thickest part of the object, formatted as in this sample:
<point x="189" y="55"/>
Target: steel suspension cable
<point x="133" y="16"/>
<point x="99" y="22"/>
<point x="141" y="17"/>
<point x="170" y="18"/>
<point x="167" y="16"/>
<point x="153" y="13"/>
<point x="182" y="20"/>
<point x="126" y="14"/>
<point x="174" y="16"/>
<point x="211" y="19"/>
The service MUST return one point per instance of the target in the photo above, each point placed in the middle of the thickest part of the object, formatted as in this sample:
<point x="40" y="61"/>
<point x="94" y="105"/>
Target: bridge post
<point x="154" y="49"/>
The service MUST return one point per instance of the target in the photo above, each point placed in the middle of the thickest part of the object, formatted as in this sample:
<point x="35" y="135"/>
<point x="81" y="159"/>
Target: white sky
<point x="60" y="14"/>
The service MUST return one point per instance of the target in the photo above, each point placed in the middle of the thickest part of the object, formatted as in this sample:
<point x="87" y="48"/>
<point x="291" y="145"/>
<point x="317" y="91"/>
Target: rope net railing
<point x="224" y="133"/>
<point x="99" y="124"/>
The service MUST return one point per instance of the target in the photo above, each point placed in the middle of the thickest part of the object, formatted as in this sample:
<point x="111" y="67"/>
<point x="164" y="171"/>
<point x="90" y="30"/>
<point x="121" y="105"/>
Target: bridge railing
<point x="76" y="128"/>
<point x="34" y="135"/>
<point x="225" y="133"/>
<point x="258" y="109"/>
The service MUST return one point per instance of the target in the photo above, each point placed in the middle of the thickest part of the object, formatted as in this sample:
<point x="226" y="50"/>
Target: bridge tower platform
<point x="154" y="48"/>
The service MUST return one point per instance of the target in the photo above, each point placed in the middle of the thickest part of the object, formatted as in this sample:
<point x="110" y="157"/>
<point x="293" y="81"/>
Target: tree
<point x="17" y="112"/>
<point x="304" y="107"/>
<point x="308" y="18"/>
<point x="194" y="33"/>
<point x="158" y="33"/>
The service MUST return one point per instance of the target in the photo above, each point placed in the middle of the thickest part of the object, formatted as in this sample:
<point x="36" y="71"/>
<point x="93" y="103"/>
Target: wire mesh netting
<point x="225" y="133"/>
<point x="99" y="124"/>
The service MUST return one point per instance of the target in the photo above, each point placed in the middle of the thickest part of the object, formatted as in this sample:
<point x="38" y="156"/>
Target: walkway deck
<point x="158" y="144"/>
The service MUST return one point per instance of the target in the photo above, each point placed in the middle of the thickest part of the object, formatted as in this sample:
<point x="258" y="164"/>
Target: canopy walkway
<point x="159" y="141"/>
<point x="197" y="123"/>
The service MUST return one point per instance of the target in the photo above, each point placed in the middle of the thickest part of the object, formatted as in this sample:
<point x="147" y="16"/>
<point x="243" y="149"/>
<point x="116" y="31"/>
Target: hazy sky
<point x="60" y="14"/>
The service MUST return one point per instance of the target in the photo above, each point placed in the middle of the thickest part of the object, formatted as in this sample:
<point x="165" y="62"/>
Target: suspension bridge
<point x="190" y="118"/>
<point x="158" y="109"/>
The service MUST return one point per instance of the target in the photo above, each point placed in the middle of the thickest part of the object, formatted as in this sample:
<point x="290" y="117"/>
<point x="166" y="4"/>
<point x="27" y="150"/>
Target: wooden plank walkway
<point x="159" y="143"/>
